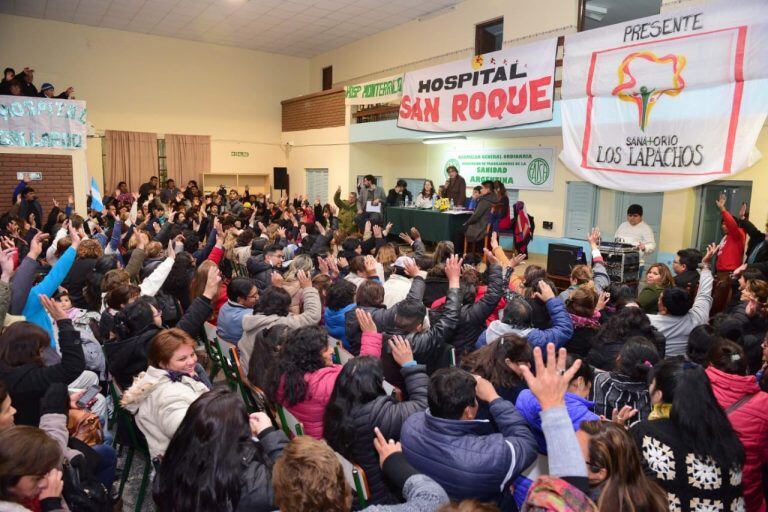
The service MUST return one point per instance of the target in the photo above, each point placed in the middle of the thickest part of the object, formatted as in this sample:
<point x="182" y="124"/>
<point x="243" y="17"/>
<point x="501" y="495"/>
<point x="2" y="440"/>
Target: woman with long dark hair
<point x="689" y="446"/>
<point x="359" y="403"/>
<point x="213" y="462"/>
<point x="499" y="363"/>
<point x="304" y="374"/>
<point x="615" y="472"/>
<point x="501" y="220"/>
<point x="746" y="406"/>
<point x="614" y="333"/>
<point x="627" y="383"/>
<point x="265" y="349"/>
<point x="426" y="198"/>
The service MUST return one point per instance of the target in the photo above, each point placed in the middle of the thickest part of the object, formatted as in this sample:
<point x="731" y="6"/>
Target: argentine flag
<point x="96" y="203"/>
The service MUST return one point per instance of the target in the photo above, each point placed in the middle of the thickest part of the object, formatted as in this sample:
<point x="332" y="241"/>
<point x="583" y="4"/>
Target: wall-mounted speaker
<point x="281" y="178"/>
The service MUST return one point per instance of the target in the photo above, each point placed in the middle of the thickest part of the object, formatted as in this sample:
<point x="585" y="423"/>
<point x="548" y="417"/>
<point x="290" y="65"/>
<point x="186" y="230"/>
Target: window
<point x="317" y="185"/>
<point x="327" y="78"/>
<point x="162" y="168"/>
<point x="600" y="13"/>
<point x="489" y="36"/>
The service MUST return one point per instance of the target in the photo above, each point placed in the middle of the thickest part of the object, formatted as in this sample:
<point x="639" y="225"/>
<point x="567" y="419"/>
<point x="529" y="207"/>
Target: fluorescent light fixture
<point x="444" y="140"/>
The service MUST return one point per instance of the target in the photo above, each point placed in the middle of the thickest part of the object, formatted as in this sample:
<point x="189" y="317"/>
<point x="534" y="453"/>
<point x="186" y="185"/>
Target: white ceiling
<point x="302" y="28"/>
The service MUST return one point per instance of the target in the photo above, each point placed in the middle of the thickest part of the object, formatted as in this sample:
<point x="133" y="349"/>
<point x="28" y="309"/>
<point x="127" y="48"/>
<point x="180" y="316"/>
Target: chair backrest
<point x="355" y="477"/>
<point x="291" y="425"/>
<point x="210" y="331"/>
<point x="453" y="356"/>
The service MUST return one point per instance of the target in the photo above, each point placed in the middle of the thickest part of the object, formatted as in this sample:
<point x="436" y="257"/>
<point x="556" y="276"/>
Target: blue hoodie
<point x="335" y="323"/>
<point x="33" y="310"/>
<point x="579" y="410"/>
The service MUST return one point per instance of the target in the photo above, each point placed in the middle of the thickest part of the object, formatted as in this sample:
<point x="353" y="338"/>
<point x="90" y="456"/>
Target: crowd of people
<point x="462" y="387"/>
<point x="22" y="84"/>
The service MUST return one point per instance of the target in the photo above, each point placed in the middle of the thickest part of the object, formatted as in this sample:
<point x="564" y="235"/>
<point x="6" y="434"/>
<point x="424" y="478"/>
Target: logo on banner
<point x="538" y="171"/>
<point x="453" y="162"/>
<point x="644" y="97"/>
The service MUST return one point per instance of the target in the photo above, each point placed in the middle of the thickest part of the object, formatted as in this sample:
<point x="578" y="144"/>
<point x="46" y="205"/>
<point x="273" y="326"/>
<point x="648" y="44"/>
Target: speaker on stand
<point x="281" y="181"/>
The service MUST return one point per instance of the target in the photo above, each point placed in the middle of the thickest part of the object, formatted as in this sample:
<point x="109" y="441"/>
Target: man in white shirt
<point x="636" y="232"/>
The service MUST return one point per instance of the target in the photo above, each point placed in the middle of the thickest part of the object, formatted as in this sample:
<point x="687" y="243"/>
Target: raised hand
<point x="453" y="270"/>
<point x="304" y="280"/>
<point x="259" y="422"/>
<point x="320" y="228"/>
<point x="551" y="380"/>
<point x="53" y="308"/>
<point x="411" y="268"/>
<point x="401" y="350"/>
<point x="711" y="251"/>
<point x="405" y="238"/>
<point x="621" y="417"/>
<point x="720" y="202"/>
<point x="485" y="390"/>
<point x="517" y="259"/>
<point x="170" y="252"/>
<point x="370" y="265"/>
<point x="322" y="264"/>
<point x="594" y="237"/>
<point x="602" y="300"/>
<point x="383" y="447"/>
<point x="490" y="258"/>
<point x="73" y="235"/>
<point x="365" y="320"/>
<point x="212" y="282"/>
<point x="6" y="264"/>
<point x="545" y="293"/>
<point x="276" y="279"/>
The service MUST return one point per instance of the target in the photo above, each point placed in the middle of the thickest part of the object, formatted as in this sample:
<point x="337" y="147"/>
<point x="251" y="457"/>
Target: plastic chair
<point x="218" y="352"/>
<point x="128" y="436"/>
<point x="290" y="424"/>
<point x="355" y="477"/>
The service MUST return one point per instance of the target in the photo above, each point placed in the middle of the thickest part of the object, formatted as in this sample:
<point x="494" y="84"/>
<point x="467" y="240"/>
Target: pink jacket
<point x="750" y="421"/>
<point x="320" y="386"/>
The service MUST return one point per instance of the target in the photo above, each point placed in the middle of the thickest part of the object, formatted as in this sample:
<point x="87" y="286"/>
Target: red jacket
<point x="320" y="386"/>
<point x="731" y="255"/>
<point x="750" y="421"/>
<point x="480" y="294"/>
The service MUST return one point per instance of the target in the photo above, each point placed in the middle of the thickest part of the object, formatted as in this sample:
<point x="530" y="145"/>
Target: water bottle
<point x="580" y="255"/>
<point x="451" y="203"/>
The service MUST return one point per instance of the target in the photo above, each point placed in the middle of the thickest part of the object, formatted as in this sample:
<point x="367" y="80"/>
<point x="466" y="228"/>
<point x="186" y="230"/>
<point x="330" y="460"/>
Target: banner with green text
<point x="517" y="168"/>
<point x="383" y="90"/>
<point x="42" y="123"/>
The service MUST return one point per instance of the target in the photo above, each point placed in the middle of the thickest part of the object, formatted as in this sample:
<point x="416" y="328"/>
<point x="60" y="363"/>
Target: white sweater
<point x="636" y="235"/>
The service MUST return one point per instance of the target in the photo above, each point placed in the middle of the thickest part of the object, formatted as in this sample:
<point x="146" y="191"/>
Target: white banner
<point x="383" y="90"/>
<point x="516" y="168"/>
<point x="42" y="122"/>
<point x="669" y="101"/>
<point x="504" y="88"/>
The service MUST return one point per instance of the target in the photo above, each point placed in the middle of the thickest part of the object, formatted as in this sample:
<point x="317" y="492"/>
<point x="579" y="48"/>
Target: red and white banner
<point x="669" y="101"/>
<point x="493" y="90"/>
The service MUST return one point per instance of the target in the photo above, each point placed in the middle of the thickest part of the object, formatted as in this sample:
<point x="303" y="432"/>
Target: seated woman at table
<point x="500" y="217"/>
<point x="426" y="198"/>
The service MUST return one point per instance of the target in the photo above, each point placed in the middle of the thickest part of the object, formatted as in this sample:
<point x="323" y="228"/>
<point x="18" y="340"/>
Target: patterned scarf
<point x="581" y="321"/>
<point x="549" y="493"/>
<point x="660" y="411"/>
<point x="177" y="376"/>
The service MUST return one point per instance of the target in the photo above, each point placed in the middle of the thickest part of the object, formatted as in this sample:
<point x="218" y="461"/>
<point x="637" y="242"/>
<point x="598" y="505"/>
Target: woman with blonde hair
<point x="291" y="281"/>
<point x="581" y="275"/>
<point x="615" y="472"/>
<point x="386" y="255"/>
<point x="658" y="278"/>
<point x="160" y="396"/>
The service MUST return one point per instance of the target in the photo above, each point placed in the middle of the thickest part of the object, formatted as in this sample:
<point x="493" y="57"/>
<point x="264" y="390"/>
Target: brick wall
<point x="318" y="110"/>
<point x="56" y="182"/>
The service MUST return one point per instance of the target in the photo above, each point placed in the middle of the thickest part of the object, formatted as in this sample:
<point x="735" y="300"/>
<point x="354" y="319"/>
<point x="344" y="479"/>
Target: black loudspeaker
<point x="281" y="178"/>
<point x="561" y="258"/>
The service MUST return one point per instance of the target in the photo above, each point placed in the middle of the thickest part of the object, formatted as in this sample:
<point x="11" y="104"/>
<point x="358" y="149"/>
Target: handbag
<point x="85" y="426"/>
<point x="82" y="492"/>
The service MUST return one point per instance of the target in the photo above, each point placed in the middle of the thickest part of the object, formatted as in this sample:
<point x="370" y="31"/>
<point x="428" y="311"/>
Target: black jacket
<point x="257" y="494"/>
<point x="475" y="226"/>
<point x="383" y="317"/>
<point x="688" y="280"/>
<point x="604" y="350"/>
<point x="436" y="288"/>
<point x="581" y="341"/>
<point x="76" y="279"/>
<point x="261" y="272"/>
<point x="429" y="347"/>
<point x="755" y="238"/>
<point x="472" y="316"/>
<point x="127" y="358"/>
<point x="395" y="199"/>
<point x="28" y="383"/>
<point x="389" y="415"/>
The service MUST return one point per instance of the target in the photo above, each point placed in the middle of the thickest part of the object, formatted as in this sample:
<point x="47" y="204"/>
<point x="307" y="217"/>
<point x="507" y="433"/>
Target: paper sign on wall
<point x="505" y="88"/>
<point x="42" y="122"/>
<point x="516" y="168"/>
<point x="669" y="101"/>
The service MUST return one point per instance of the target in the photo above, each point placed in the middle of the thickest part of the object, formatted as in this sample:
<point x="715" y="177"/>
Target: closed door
<point x="580" y="209"/>
<point x="652" y="205"/>
<point x="736" y="193"/>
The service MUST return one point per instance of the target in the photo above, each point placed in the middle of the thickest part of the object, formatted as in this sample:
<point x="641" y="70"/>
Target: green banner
<point x="378" y="91"/>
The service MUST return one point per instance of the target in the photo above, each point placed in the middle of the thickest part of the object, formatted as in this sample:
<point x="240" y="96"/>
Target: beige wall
<point x="443" y="38"/>
<point x="147" y="83"/>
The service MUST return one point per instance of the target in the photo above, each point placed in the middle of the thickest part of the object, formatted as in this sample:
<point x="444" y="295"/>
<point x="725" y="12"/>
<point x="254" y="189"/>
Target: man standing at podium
<point x="636" y="232"/>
